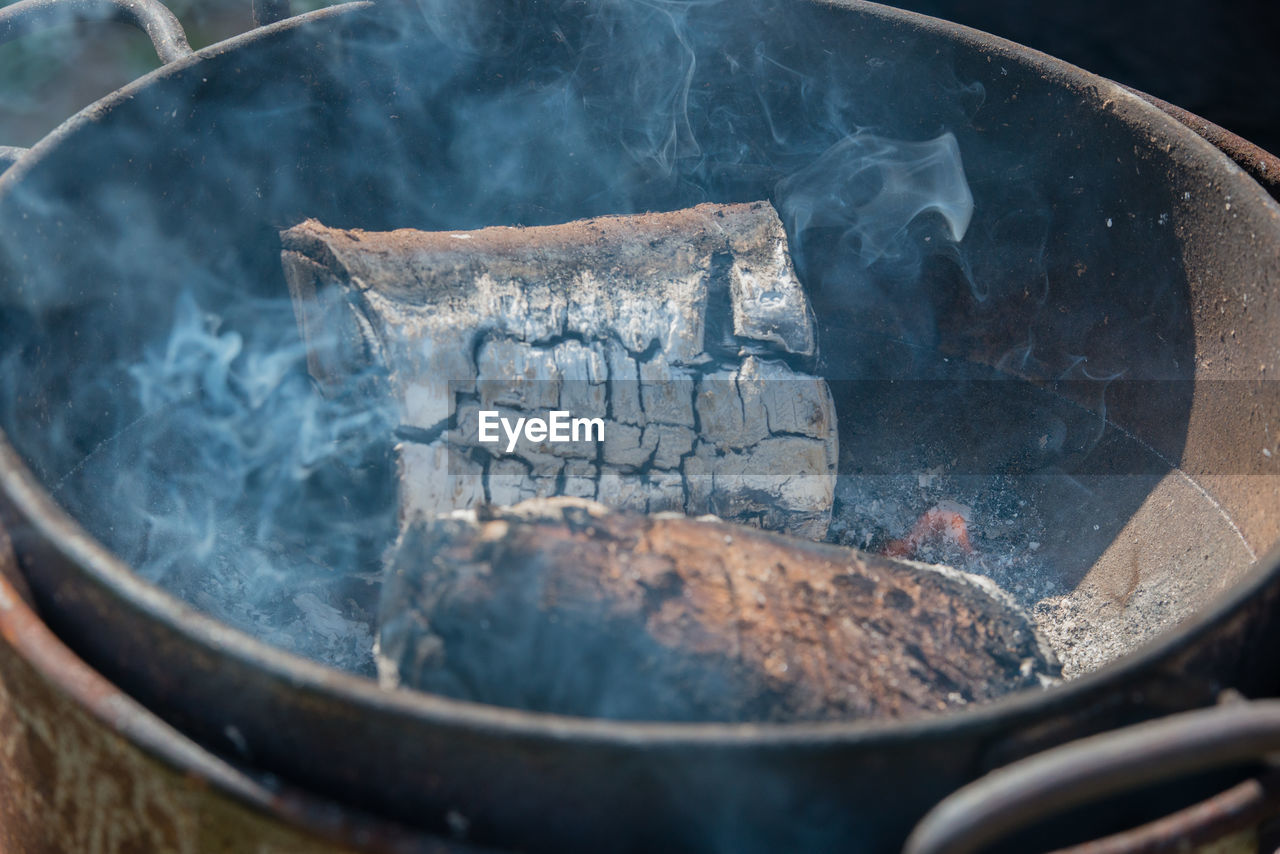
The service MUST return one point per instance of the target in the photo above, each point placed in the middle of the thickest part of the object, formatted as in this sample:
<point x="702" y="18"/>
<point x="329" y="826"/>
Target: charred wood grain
<point x="564" y="606"/>
<point x="686" y="332"/>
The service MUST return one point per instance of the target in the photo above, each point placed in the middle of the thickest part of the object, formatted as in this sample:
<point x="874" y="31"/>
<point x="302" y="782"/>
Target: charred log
<point x="564" y="606"/>
<point x="686" y="333"/>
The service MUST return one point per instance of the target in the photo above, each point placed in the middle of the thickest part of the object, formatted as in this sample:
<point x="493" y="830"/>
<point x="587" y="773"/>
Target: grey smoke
<point x="225" y="476"/>
<point x="872" y="188"/>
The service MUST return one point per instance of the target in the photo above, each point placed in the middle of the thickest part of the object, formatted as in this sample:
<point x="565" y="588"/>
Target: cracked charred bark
<point x="687" y="332"/>
<point x="564" y="606"/>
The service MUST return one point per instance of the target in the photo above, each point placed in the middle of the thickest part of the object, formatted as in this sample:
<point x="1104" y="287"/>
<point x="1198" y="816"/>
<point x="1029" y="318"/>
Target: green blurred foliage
<point x="48" y="76"/>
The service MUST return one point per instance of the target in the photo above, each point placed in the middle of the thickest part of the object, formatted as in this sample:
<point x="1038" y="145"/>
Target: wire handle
<point x="150" y="16"/>
<point x="1018" y="795"/>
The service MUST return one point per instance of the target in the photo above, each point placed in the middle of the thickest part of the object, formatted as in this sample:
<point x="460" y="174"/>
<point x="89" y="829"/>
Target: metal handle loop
<point x="150" y="16"/>
<point x="1029" y="790"/>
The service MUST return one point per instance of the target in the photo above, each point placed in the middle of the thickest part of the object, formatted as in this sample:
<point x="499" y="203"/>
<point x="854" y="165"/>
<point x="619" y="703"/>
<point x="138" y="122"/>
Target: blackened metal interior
<point x="1183" y="289"/>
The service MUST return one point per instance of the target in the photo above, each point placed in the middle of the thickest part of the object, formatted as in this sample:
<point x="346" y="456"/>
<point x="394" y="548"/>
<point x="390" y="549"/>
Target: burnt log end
<point x="563" y="606"/>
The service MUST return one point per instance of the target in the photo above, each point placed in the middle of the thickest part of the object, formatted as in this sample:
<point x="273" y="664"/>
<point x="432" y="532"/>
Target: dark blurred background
<point x="1221" y="60"/>
<point x="1218" y="59"/>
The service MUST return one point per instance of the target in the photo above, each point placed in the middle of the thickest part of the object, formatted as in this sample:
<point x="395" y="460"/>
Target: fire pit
<point x="1043" y="318"/>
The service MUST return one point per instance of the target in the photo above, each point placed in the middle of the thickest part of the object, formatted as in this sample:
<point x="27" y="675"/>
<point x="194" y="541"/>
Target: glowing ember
<point x="946" y="523"/>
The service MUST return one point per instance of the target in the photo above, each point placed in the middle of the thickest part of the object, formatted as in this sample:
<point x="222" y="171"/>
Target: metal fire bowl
<point x="141" y="161"/>
<point x="84" y="767"/>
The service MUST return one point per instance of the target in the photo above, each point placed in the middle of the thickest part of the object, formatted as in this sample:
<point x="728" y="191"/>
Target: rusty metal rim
<point x="23" y="630"/>
<point x="1262" y="166"/>
<point x="56" y="527"/>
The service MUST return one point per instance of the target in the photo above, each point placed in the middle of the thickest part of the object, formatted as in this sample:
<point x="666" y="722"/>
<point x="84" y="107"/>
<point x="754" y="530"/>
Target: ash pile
<point x="615" y="574"/>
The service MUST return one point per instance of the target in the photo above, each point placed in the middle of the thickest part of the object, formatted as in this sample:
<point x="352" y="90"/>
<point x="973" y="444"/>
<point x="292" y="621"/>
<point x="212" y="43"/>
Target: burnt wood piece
<point x="562" y="605"/>
<point x="687" y="333"/>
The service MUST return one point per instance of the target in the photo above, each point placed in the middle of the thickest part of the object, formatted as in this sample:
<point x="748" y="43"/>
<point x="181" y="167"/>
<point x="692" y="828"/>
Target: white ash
<point x="687" y="333"/>
<point x="1092" y="602"/>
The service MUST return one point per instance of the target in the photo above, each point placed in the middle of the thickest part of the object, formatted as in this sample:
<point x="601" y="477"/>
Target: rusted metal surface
<point x="84" y="768"/>
<point x="1262" y="166"/>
